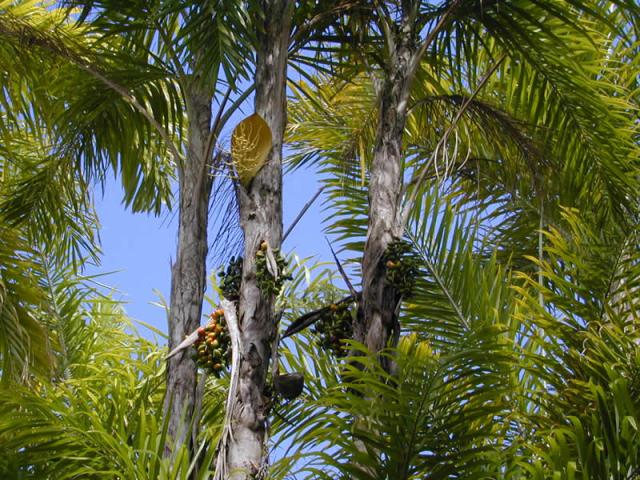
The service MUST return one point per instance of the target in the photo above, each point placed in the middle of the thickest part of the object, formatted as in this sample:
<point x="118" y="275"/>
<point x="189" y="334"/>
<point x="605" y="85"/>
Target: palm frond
<point x="584" y="339"/>
<point x="24" y="341"/>
<point x="105" y="419"/>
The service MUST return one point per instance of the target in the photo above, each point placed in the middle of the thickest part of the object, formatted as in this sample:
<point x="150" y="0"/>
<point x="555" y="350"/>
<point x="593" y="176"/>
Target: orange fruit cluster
<point x="213" y="346"/>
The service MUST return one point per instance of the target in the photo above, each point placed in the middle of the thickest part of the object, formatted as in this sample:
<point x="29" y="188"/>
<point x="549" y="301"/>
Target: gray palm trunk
<point x="261" y="219"/>
<point x="380" y="300"/>
<point x="188" y="275"/>
<point x="377" y="326"/>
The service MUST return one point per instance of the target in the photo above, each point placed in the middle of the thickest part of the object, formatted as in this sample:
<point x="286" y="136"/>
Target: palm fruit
<point x="251" y="143"/>
<point x="213" y="345"/>
<point x="402" y="267"/>
<point x="231" y="278"/>
<point x="333" y="327"/>
<point x="267" y="284"/>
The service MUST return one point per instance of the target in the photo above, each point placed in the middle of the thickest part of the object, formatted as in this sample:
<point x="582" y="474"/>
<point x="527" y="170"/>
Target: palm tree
<point x="136" y="92"/>
<point x="155" y="61"/>
<point x="260" y="209"/>
<point x="514" y="86"/>
<point x="512" y="389"/>
<point x="479" y="90"/>
<point x="282" y="34"/>
<point x="522" y="313"/>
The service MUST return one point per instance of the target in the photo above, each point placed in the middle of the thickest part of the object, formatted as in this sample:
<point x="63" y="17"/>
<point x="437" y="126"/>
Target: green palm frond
<point x="44" y="197"/>
<point x="590" y="270"/>
<point x="584" y="338"/>
<point x="461" y="289"/>
<point x="24" y="342"/>
<point x="573" y="104"/>
<point x="48" y="226"/>
<point x="374" y="425"/>
<point x="169" y="33"/>
<point x="410" y="418"/>
<point x="334" y="127"/>
<point x="561" y="375"/>
<point x="96" y="103"/>
<point x="105" y="419"/>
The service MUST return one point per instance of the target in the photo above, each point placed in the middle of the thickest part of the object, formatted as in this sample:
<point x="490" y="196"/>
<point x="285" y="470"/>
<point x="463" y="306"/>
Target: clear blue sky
<point x="139" y="248"/>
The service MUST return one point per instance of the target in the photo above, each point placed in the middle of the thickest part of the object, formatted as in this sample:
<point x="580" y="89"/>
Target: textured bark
<point x="260" y="219"/>
<point x="188" y="275"/>
<point x="380" y="300"/>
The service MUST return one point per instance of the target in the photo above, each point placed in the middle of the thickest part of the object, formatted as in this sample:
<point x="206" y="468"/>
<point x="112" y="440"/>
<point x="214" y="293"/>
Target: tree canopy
<point x="480" y="168"/>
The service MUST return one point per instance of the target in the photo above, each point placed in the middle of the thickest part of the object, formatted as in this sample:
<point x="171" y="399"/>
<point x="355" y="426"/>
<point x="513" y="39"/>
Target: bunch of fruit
<point x="268" y="284"/>
<point x="402" y="267"/>
<point x="334" y="326"/>
<point x="213" y="346"/>
<point x="231" y="279"/>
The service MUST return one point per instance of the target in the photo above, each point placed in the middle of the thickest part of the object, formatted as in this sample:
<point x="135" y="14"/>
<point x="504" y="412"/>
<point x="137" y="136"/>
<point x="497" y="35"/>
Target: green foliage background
<point x="520" y="348"/>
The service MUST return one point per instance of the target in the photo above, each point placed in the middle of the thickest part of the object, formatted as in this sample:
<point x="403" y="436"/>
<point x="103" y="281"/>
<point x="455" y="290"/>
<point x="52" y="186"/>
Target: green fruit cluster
<point x="213" y="346"/>
<point x="231" y="279"/>
<point x="402" y="267"/>
<point x="333" y="327"/>
<point x="267" y="284"/>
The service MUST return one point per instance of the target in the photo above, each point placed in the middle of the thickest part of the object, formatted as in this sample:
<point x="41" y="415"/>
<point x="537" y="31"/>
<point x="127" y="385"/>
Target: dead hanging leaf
<point x="251" y="142"/>
<point x="272" y="264"/>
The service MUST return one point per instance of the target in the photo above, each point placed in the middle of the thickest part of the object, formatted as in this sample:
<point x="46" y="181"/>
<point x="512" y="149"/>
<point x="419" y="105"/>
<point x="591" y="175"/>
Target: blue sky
<point x="138" y="248"/>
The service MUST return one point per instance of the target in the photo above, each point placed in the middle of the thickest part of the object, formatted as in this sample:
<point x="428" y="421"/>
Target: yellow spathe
<point x="250" y="145"/>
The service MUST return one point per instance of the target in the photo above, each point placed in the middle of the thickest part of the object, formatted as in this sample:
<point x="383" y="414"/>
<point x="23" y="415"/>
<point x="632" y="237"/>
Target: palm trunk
<point x="188" y="275"/>
<point x="380" y="300"/>
<point x="260" y="219"/>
